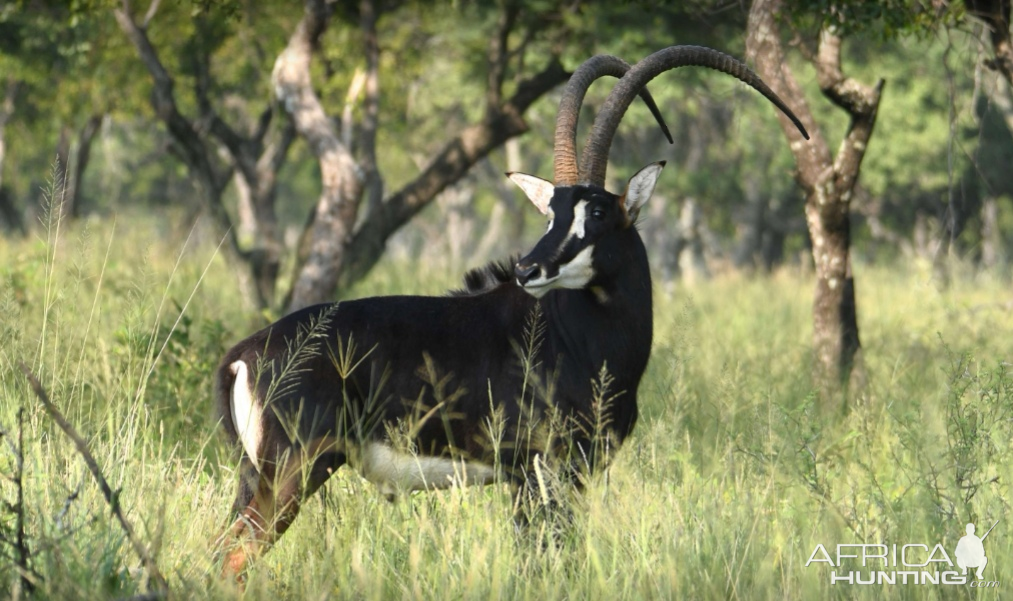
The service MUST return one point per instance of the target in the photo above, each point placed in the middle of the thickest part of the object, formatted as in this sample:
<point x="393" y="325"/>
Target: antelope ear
<point x="538" y="190"/>
<point x="640" y="188"/>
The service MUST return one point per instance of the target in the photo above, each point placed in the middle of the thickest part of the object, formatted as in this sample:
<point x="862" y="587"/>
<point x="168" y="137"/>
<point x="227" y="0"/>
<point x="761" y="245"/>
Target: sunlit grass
<point x="728" y="483"/>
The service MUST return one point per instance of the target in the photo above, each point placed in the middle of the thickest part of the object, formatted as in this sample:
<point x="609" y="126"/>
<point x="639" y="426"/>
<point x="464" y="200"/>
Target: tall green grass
<point x="730" y="480"/>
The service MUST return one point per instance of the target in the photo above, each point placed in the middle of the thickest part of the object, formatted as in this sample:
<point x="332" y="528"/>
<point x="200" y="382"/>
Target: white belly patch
<point x="394" y="471"/>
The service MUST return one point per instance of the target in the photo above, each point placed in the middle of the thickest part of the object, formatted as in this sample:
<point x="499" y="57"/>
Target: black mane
<point x="484" y="279"/>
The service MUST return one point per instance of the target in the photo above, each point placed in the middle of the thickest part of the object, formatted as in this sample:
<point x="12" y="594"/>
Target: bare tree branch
<point x="336" y="253"/>
<point x="6" y="110"/>
<point x="257" y="158"/>
<point x="860" y="101"/>
<point x="348" y="112"/>
<point x="76" y="163"/>
<point x="148" y="16"/>
<point x="450" y="164"/>
<point x="183" y="133"/>
<point x="236" y="145"/>
<point x="763" y="47"/>
<point x="499" y="55"/>
<point x="112" y="497"/>
<point x="372" y="182"/>
<point x="996" y="16"/>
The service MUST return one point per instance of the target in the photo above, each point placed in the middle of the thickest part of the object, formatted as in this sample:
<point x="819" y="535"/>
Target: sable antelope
<point x="483" y="384"/>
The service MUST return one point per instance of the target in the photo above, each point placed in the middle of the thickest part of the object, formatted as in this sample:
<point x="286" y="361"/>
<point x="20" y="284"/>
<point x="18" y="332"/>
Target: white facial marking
<point x="246" y="412"/>
<point x="579" y="217"/>
<point x="540" y="285"/>
<point x="575" y="274"/>
<point x="578" y="272"/>
<point x="393" y="471"/>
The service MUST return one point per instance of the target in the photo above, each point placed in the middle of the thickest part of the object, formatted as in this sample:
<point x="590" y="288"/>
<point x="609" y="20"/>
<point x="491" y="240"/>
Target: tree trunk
<point x="341" y="178"/>
<point x="452" y="163"/>
<point x="78" y="164"/>
<point x="372" y="183"/>
<point x="992" y="252"/>
<point x="259" y="164"/>
<point x="247" y="226"/>
<point x="690" y="255"/>
<point x="335" y="252"/>
<point x="750" y="223"/>
<point x="828" y="183"/>
<point x="268" y="248"/>
<point x="257" y="157"/>
<point x="6" y="111"/>
<point x="996" y="16"/>
<point x="8" y="212"/>
<point x="835" y="320"/>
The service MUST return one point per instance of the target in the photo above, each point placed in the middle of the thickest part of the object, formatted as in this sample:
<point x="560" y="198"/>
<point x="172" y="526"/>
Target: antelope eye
<point x="598" y="214"/>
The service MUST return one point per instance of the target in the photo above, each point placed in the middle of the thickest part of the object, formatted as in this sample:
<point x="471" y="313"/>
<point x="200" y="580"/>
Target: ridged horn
<point x="595" y="157"/>
<point x="565" y="163"/>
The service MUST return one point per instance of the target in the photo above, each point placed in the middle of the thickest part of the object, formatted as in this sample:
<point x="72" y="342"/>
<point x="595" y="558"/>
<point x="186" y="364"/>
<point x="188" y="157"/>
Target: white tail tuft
<point x="246" y="412"/>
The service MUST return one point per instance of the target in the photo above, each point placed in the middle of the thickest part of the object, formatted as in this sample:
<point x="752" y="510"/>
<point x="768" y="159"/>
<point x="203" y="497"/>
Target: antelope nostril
<point x="525" y="272"/>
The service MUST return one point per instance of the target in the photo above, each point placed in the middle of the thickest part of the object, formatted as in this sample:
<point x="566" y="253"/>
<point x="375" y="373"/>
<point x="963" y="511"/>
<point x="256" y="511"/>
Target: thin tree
<point x="828" y="182"/>
<point x="256" y="156"/>
<point x="8" y="212"/>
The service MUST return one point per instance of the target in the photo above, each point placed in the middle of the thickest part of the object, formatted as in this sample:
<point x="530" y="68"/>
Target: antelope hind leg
<point x="267" y="503"/>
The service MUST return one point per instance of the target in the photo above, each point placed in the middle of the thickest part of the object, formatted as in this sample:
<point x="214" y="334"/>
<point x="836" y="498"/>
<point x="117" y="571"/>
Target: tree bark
<point x="992" y="255"/>
<point x="246" y="219"/>
<point x="690" y="253"/>
<point x="187" y="144"/>
<point x="828" y="183"/>
<point x="341" y="178"/>
<point x="372" y="182"/>
<point x="337" y="253"/>
<point x="8" y="212"/>
<point x="453" y="162"/>
<point x="76" y="164"/>
<point x="6" y="111"/>
<point x="996" y="16"/>
<point x="257" y="158"/>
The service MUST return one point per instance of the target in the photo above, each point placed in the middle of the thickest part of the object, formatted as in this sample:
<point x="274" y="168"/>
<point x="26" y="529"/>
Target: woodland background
<point x="176" y="174"/>
<point x="400" y="85"/>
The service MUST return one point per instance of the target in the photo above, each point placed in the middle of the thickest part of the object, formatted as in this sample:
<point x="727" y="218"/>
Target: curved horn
<point x="565" y="152"/>
<point x="595" y="157"/>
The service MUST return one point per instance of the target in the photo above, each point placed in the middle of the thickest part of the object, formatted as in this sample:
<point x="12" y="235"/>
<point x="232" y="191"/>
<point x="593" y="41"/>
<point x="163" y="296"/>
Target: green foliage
<point x="912" y="126"/>
<point x="932" y="144"/>
<point x="884" y="19"/>
<point x="729" y="481"/>
<point x="732" y="475"/>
